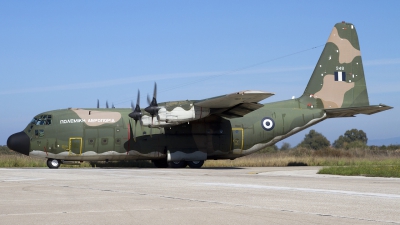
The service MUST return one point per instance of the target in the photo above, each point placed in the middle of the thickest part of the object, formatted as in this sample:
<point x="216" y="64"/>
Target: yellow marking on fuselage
<point x="241" y="129"/>
<point x="70" y="144"/>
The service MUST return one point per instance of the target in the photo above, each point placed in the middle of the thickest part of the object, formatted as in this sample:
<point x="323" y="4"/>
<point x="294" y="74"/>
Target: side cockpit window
<point x="48" y="120"/>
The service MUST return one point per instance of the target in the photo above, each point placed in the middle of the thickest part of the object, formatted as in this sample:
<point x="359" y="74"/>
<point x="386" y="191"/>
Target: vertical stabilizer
<point x="338" y="79"/>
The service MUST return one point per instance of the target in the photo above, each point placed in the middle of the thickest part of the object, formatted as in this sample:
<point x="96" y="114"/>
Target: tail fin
<point x="338" y="79"/>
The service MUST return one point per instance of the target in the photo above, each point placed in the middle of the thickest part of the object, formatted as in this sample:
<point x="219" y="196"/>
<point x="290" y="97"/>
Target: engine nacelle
<point x="176" y="116"/>
<point x="180" y="115"/>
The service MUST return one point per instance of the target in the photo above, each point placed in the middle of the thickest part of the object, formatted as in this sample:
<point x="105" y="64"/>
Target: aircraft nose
<point x="19" y="142"/>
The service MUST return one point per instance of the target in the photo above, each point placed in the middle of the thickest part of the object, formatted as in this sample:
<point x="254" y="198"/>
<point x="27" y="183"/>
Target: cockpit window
<point x="42" y="120"/>
<point x="34" y="120"/>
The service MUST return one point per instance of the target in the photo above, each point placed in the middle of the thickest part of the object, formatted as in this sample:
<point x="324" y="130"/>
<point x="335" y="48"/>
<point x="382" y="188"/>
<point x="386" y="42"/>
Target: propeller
<point x="153" y="108"/>
<point x="136" y="113"/>
<point x="98" y="104"/>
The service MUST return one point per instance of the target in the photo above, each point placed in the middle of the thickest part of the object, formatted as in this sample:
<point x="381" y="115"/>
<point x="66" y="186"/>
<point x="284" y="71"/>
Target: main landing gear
<point x="183" y="164"/>
<point x="162" y="163"/>
<point x="178" y="164"/>
<point x="53" y="163"/>
<point x="195" y="164"/>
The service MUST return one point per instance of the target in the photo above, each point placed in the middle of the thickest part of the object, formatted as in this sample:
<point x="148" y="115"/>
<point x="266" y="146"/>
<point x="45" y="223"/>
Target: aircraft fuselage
<point x="109" y="134"/>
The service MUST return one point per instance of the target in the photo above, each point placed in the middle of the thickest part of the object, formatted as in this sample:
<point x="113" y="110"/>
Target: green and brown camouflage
<point x="190" y="131"/>
<point x="338" y="79"/>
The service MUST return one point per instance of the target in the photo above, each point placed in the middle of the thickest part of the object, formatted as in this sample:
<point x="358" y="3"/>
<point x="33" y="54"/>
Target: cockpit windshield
<point x="42" y="120"/>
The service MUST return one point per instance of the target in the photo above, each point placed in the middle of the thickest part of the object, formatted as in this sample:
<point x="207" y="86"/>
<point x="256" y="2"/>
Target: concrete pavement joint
<point x="236" y="205"/>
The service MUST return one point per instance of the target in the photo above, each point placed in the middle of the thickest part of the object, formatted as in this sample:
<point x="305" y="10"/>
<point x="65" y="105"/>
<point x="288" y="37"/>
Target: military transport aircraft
<point x="187" y="132"/>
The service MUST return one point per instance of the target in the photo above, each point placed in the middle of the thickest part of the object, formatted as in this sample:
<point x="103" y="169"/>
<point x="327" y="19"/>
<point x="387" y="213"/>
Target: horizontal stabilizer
<point x="230" y="100"/>
<point x="351" y="111"/>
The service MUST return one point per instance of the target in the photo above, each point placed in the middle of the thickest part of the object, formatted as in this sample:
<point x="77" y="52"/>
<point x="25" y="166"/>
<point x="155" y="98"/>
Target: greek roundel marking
<point x="267" y="123"/>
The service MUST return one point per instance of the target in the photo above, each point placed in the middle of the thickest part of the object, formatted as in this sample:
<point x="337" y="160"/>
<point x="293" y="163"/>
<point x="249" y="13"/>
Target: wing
<point x="236" y="104"/>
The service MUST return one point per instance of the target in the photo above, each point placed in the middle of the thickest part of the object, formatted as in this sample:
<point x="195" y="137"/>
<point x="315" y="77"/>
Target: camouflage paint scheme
<point x="224" y="127"/>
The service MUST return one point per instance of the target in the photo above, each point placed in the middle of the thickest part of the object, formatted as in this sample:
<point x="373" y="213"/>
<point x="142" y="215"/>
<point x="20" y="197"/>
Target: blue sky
<point x="60" y="54"/>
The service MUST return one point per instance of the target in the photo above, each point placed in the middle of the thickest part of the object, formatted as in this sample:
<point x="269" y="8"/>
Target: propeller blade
<point x="107" y="104"/>
<point x="136" y="113"/>
<point x="153" y="102"/>
<point x="134" y="136"/>
<point x="98" y="103"/>
<point x="153" y="108"/>
<point x="155" y="90"/>
<point x="138" y="98"/>
<point x="148" y="99"/>
<point x="151" y="128"/>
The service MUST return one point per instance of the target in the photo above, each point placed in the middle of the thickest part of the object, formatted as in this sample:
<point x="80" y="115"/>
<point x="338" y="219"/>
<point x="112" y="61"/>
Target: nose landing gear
<point x="53" y="163"/>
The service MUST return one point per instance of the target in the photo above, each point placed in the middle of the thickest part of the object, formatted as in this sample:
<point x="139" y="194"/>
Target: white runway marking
<point x="115" y="210"/>
<point x="312" y="190"/>
<point x="20" y="179"/>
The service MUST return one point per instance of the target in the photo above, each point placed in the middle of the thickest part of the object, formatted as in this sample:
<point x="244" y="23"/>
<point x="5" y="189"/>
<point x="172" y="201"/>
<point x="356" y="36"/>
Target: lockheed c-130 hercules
<point x="181" y="133"/>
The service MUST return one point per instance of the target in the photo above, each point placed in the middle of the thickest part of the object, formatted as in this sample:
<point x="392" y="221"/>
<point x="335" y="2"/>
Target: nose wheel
<point x="53" y="163"/>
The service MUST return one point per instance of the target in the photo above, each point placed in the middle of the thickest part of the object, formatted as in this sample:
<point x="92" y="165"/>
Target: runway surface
<point x="273" y="195"/>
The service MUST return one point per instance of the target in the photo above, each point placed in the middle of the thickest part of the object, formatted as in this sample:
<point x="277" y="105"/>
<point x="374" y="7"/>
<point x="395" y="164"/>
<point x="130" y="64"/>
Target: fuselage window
<point x="39" y="133"/>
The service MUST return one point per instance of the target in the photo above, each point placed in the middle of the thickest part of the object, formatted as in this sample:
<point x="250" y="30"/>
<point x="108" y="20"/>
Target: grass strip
<point x="17" y="160"/>
<point x="21" y="161"/>
<point x="363" y="170"/>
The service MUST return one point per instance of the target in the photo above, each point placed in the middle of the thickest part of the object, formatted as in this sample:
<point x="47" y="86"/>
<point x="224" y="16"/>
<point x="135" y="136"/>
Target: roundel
<point x="267" y="123"/>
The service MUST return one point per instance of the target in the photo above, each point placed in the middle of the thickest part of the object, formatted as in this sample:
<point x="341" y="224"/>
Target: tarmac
<point x="258" y="195"/>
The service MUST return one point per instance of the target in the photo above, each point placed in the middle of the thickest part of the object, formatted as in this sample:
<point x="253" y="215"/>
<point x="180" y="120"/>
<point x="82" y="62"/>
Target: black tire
<point x="195" y="164"/>
<point x="160" y="163"/>
<point x="53" y="163"/>
<point x="178" y="164"/>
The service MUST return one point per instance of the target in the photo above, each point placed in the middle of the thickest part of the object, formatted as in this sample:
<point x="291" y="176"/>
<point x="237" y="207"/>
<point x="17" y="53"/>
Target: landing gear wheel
<point x="178" y="164"/>
<point x="160" y="163"/>
<point x="195" y="164"/>
<point x="53" y="163"/>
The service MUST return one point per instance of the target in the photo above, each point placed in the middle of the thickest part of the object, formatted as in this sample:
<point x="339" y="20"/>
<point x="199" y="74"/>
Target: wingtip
<point x="385" y="106"/>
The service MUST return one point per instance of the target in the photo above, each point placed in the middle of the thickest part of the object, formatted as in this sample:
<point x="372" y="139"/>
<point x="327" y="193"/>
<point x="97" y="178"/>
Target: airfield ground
<point x="258" y="195"/>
